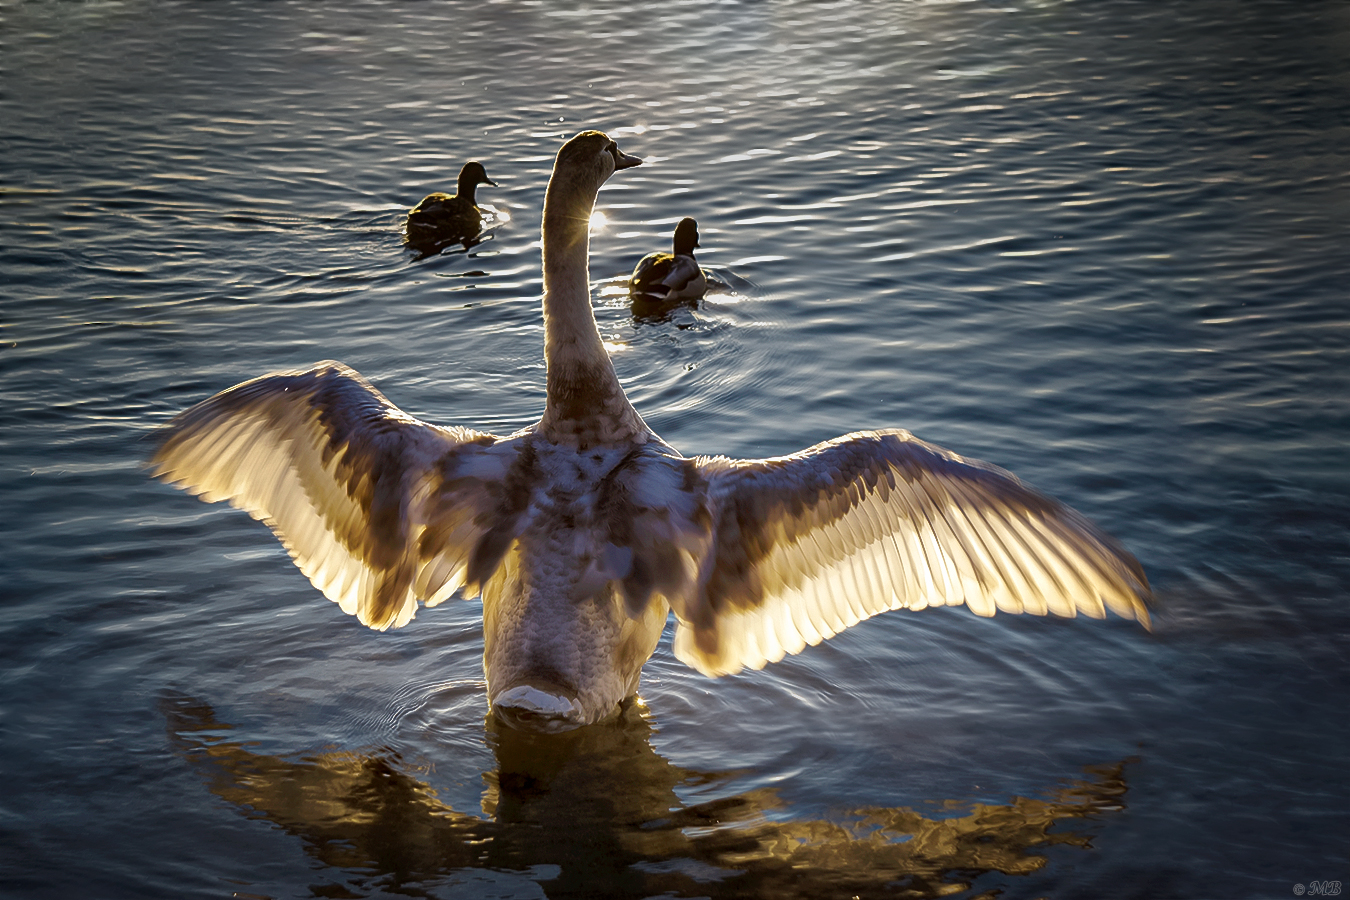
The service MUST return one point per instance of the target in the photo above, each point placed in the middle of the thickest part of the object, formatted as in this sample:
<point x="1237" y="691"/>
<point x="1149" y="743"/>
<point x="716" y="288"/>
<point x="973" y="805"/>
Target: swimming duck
<point x="441" y="219"/>
<point x="582" y="531"/>
<point x="665" y="277"/>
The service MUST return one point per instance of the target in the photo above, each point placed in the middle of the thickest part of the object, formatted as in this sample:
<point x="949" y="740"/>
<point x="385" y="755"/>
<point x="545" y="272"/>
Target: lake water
<point x="1102" y="244"/>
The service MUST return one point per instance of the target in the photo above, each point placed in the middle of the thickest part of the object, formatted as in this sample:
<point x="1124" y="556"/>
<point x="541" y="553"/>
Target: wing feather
<point x="806" y="619"/>
<point x="806" y="545"/>
<point x="987" y="551"/>
<point x="349" y="483"/>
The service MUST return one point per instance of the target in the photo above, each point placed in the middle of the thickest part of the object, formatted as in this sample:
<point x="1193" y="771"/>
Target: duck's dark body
<point x="442" y="219"/>
<point x="667" y="278"/>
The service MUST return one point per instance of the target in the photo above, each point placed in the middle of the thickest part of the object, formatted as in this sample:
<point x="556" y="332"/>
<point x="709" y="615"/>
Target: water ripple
<point x="1039" y="233"/>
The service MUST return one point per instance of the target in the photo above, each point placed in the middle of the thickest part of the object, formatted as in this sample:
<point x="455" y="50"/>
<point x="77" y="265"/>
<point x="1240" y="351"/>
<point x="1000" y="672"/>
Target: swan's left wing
<point x="804" y="546"/>
<point x="378" y="509"/>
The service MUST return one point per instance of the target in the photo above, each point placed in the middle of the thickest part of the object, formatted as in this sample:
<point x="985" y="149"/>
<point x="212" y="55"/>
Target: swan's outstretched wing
<point x="807" y="545"/>
<point x="377" y="508"/>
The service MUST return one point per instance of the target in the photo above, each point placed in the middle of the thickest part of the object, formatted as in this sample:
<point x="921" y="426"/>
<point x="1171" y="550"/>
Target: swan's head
<point x="686" y="237"/>
<point x="590" y="158"/>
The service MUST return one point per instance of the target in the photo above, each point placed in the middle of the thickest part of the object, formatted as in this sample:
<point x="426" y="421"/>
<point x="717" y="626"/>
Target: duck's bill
<point x="624" y="161"/>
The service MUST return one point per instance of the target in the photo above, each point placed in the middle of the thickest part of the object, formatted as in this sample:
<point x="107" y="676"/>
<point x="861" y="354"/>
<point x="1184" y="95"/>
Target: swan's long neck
<point x="586" y="405"/>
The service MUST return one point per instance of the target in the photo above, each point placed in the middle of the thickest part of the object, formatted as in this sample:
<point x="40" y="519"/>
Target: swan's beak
<point x="624" y="161"/>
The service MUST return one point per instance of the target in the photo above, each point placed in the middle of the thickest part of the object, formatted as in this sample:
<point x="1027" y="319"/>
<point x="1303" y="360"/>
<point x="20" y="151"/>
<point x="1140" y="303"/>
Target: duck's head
<point x="472" y="175"/>
<point x="686" y="237"/>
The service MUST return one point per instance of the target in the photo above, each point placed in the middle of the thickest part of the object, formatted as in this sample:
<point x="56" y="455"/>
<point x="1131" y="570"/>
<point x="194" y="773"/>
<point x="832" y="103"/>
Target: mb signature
<point x="1318" y="889"/>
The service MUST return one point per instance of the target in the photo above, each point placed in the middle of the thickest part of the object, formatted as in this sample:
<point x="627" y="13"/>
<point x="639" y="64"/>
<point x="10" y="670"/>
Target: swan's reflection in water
<point x="599" y="808"/>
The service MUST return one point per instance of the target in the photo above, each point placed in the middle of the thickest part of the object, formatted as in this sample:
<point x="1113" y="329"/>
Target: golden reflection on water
<point x="600" y="807"/>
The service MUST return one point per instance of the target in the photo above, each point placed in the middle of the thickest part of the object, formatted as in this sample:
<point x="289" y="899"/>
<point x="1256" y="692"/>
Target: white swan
<point x="582" y="531"/>
<point x="668" y="277"/>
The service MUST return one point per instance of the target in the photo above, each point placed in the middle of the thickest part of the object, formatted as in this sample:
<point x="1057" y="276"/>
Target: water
<point x="1102" y="245"/>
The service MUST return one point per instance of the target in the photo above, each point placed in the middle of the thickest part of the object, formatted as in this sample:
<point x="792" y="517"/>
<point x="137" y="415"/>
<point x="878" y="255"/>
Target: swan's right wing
<point x="804" y="546"/>
<point x="377" y="508"/>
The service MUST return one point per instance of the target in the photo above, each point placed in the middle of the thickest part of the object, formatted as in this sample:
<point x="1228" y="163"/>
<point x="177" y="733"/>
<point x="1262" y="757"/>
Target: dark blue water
<point x="1100" y="244"/>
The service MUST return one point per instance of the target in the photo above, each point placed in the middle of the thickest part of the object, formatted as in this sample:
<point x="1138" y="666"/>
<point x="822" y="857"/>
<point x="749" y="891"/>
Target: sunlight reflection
<point x="598" y="221"/>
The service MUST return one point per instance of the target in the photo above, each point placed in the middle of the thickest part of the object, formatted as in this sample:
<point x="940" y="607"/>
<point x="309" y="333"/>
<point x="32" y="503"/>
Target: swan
<point x="582" y="531"/>
<point x="666" y="277"/>
<point x="441" y="219"/>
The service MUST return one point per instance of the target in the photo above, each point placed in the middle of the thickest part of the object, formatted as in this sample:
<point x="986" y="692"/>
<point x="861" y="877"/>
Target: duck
<point x="584" y="531"/>
<point x="667" y="277"/>
<point x="441" y="219"/>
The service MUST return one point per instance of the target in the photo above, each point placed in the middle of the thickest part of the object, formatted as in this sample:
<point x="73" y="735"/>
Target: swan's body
<point x="442" y="219"/>
<point x="666" y="278"/>
<point x="584" y="530"/>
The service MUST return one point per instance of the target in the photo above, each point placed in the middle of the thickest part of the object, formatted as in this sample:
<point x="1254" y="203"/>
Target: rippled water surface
<point x="1100" y="244"/>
